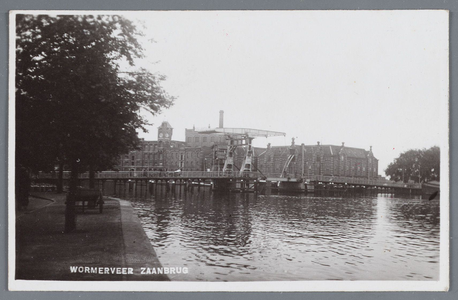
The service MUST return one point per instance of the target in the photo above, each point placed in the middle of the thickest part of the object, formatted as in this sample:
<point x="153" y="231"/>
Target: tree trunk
<point x="60" y="178"/>
<point x="70" y="210"/>
<point x="91" y="177"/>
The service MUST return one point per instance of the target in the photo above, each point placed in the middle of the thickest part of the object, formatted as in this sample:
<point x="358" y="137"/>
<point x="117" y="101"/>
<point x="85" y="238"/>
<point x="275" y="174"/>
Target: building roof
<point x="355" y="152"/>
<point x="166" y="124"/>
<point x="329" y="150"/>
<point x="349" y="151"/>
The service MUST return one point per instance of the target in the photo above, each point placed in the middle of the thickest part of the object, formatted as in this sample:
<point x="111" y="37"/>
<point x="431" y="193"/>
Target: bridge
<point x="237" y="181"/>
<point x="111" y="175"/>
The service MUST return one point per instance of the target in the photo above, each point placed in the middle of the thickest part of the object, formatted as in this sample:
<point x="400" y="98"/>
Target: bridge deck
<point x="204" y="175"/>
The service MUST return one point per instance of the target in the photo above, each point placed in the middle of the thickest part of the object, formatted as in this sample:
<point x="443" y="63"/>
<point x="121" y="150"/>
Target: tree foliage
<point x="75" y="102"/>
<point x="417" y="165"/>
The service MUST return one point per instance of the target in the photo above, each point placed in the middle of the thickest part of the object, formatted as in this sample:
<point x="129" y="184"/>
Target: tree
<point x="75" y="103"/>
<point x="417" y="165"/>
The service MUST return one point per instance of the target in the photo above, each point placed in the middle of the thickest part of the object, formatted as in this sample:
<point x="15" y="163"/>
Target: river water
<point x="247" y="237"/>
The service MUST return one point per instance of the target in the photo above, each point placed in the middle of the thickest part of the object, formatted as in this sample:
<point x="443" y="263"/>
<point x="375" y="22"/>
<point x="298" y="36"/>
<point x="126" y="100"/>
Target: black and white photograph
<point x="292" y="150"/>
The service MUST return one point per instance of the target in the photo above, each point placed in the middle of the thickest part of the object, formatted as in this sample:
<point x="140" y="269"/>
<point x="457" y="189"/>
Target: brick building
<point x="166" y="154"/>
<point x="329" y="160"/>
<point x="196" y="139"/>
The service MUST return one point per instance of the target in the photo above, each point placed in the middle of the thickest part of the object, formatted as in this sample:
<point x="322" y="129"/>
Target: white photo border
<point x="374" y="285"/>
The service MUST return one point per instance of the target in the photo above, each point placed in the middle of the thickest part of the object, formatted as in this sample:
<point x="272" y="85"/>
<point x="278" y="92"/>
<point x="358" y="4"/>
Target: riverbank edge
<point x="138" y="250"/>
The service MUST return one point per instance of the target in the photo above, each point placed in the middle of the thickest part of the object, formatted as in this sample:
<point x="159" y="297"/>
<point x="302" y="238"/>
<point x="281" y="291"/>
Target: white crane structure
<point x="236" y="137"/>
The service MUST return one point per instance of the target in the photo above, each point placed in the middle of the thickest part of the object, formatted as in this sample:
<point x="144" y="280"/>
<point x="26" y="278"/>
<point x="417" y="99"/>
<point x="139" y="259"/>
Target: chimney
<point x="343" y="144"/>
<point x="221" y="118"/>
<point x="371" y="149"/>
<point x="318" y="143"/>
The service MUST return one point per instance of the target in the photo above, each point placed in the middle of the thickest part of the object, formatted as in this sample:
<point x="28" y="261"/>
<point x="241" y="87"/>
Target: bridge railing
<point x="227" y="174"/>
<point x="350" y="180"/>
<point x="360" y="181"/>
<point x="152" y="174"/>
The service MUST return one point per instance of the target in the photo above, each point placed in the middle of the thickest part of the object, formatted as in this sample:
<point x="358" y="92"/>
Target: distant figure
<point x="22" y="188"/>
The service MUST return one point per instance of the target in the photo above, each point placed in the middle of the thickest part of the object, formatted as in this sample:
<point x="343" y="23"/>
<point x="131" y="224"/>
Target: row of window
<point x="169" y="155"/>
<point x="204" y="139"/>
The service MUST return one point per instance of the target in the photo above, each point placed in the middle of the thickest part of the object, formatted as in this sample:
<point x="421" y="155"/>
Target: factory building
<point x="203" y="152"/>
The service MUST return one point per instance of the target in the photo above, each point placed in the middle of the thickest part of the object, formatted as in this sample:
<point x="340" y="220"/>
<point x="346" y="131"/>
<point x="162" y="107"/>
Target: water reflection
<point x="242" y="237"/>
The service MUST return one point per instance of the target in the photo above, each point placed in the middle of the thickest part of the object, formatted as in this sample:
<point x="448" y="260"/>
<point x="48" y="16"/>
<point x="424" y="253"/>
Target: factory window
<point x="196" y="139"/>
<point x="204" y="139"/>
<point x="212" y="139"/>
<point x="189" y="139"/>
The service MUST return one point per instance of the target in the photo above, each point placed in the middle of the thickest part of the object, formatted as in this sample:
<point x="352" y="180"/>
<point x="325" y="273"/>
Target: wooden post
<point x="268" y="187"/>
<point x="135" y="188"/>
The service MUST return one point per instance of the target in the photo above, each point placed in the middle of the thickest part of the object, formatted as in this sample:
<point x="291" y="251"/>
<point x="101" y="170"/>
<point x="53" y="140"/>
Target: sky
<point x="366" y="78"/>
